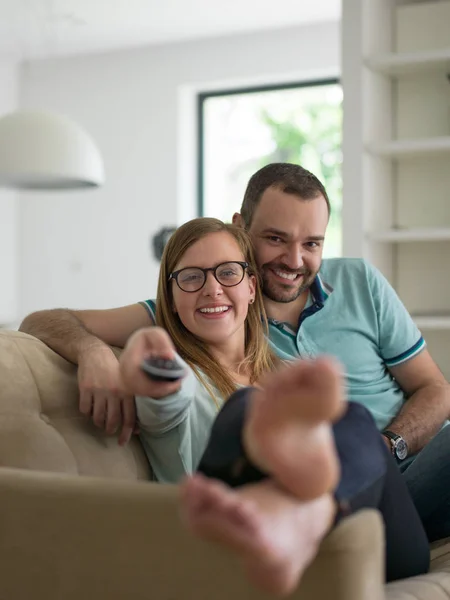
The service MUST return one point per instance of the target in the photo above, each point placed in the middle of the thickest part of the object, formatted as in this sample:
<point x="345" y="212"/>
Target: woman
<point x="215" y="321"/>
<point x="294" y="471"/>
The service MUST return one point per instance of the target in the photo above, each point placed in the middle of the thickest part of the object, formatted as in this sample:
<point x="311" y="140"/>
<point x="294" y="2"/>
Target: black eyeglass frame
<point x="174" y="275"/>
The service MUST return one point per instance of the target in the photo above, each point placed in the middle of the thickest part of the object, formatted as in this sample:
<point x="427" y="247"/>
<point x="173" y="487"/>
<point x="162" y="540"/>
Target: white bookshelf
<point x="397" y="236"/>
<point x="396" y="170"/>
<point x="394" y="63"/>
<point x="411" y="147"/>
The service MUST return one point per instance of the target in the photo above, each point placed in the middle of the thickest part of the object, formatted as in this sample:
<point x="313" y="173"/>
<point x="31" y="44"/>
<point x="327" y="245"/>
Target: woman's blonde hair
<point x="258" y="356"/>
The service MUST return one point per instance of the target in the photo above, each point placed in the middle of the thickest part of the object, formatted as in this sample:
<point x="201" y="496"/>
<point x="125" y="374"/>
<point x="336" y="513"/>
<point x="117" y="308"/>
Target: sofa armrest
<point x="65" y="537"/>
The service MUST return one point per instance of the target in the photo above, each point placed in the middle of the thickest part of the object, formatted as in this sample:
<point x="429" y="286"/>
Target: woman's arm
<point x="159" y="415"/>
<point x="160" y="405"/>
<point x="144" y="343"/>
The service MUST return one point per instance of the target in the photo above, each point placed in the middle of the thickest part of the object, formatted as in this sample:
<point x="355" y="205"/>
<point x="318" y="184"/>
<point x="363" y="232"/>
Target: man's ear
<point x="238" y="220"/>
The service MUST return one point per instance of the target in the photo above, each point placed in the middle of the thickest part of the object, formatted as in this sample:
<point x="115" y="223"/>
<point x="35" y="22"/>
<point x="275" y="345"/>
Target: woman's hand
<point x="144" y="343"/>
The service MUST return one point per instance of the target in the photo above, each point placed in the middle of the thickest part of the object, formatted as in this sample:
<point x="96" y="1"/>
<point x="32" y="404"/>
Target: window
<point x="243" y="130"/>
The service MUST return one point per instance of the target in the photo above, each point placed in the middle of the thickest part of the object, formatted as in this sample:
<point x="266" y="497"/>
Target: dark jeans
<point x="427" y="475"/>
<point x="370" y="478"/>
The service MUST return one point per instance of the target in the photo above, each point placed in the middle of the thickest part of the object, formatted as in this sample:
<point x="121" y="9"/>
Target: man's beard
<point x="276" y="291"/>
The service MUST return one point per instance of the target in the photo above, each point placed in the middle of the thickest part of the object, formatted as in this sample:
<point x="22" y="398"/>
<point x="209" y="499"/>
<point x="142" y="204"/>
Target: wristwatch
<point x="399" y="447"/>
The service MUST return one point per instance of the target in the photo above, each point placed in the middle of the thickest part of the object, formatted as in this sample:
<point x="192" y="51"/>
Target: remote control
<point x="163" y="369"/>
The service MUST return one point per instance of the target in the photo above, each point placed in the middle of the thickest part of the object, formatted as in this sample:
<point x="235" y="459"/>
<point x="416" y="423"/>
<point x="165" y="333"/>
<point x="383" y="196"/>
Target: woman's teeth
<point x="216" y="309"/>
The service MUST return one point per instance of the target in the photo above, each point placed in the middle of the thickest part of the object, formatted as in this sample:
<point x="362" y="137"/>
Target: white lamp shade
<point x="45" y="151"/>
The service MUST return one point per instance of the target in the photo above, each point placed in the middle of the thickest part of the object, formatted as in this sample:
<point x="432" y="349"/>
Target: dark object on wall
<point x="160" y="240"/>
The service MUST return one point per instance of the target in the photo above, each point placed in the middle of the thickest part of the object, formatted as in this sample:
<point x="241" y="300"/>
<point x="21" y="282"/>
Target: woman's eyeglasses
<point x="192" y="279"/>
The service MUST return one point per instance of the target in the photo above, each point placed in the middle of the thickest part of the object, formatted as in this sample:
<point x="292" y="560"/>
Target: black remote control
<point x="164" y="369"/>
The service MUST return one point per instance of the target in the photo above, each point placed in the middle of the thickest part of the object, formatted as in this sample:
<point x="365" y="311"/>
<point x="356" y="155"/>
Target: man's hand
<point x="102" y="395"/>
<point x="151" y="341"/>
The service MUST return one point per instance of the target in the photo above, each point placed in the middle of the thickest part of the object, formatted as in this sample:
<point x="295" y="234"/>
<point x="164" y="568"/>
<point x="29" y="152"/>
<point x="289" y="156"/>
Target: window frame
<point x="203" y="96"/>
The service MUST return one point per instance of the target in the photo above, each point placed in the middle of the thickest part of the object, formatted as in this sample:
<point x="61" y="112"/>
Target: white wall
<point x="8" y="211"/>
<point x="92" y="249"/>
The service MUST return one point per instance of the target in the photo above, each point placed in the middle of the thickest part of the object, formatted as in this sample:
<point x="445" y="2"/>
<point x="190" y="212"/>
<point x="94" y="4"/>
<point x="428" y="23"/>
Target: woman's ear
<point x="174" y="308"/>
<point x="252" y="287"/>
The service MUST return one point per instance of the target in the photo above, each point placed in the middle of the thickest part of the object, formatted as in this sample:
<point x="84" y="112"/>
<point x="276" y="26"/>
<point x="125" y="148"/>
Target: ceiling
<point x="41" y="28"/>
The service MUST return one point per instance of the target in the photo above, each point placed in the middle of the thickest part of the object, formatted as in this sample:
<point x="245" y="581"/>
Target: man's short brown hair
<point x="287" y="177"/>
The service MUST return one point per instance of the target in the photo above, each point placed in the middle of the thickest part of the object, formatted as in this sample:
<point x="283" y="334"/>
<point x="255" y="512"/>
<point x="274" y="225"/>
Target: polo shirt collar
<point x="319" y="292"/>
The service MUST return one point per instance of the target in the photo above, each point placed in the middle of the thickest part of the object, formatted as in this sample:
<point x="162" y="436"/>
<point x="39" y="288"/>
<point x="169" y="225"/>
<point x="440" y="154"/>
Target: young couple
<point x="339" y="307"/>
<point x="289" y="444"/>
<point x="276" y="463"/>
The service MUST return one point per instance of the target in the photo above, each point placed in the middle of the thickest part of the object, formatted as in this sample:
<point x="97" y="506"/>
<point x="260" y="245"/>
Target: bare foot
<point x="288" y="428"/>
<point x="275" y="535"/>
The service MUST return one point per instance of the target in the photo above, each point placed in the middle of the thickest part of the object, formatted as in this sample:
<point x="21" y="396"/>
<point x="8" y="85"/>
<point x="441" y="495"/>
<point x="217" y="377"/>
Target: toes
<point x="208" y="506"/>
<point x="230" y="526"/>
<point x="191" y="493"/>
<point x="245" y="515"/>
<point x="199" y="493"/>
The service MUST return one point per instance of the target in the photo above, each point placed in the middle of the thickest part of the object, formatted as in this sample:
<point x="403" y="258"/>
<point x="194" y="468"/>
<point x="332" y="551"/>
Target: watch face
<point x="401" y="449"/>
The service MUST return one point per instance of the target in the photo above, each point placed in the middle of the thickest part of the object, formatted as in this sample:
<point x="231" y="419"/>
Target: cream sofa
<point x="78" y="517"/>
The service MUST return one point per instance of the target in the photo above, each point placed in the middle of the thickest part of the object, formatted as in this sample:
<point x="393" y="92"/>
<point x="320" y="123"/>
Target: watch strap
<point x="391" y="435"/>
<point x="399" y="447"/>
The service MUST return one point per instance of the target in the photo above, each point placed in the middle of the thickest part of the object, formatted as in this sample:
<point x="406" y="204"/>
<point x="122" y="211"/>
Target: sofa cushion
<point x="40" y="425"/>
<point x="435" y="585"/>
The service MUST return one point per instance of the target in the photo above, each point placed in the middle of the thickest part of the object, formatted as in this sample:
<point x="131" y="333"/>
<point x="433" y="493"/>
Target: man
<point x="342" y="307"/>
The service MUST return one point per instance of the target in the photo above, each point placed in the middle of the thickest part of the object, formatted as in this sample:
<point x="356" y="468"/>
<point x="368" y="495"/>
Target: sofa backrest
<point x="41" y="427"/>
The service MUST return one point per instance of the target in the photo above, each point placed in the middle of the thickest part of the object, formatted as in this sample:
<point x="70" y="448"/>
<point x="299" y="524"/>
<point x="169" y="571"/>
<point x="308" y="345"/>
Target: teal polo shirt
<point x="354" y="314"/>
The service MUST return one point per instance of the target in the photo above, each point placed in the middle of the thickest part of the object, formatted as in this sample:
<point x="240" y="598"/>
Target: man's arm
<point x="403" y="351"/>
<point x="428" y="404"/>
<point x="70" y="333"/>
<point x="84" y="338"/>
